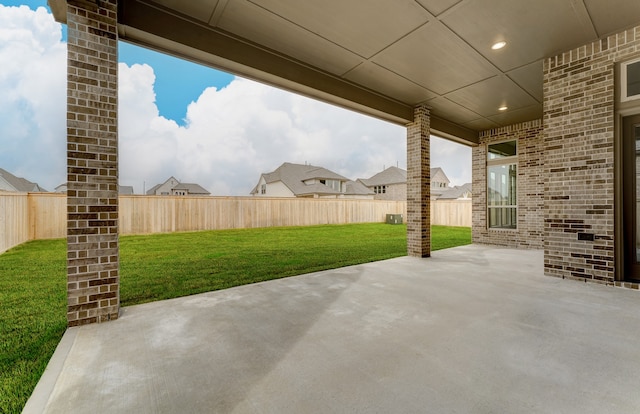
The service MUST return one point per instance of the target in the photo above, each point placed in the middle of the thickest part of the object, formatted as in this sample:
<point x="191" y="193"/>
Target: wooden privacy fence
<point x="35" y="216"/>
<point x="152" y="214"/>
<point x="14" y="220"/>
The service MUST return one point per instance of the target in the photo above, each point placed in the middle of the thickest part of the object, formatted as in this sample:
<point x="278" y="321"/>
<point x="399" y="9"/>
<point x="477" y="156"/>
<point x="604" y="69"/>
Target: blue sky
<point x="181" y="119"/>
<point x="173" y="91"/>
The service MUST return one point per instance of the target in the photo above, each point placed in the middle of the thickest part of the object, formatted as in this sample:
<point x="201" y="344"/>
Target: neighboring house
<point x="125" y="189"/>
<point x="461" y="192"/>
<point x="391" y="183"/>
<point x="9" y="182"/>
<point x="439" y="182"/>
<point x="298" y="180"/>
<point x="174" y="187"/>
<point x="122" y="189"/>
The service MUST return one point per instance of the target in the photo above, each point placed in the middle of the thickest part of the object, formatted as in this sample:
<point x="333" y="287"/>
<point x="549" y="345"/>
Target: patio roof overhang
<point x="382" y="57"/>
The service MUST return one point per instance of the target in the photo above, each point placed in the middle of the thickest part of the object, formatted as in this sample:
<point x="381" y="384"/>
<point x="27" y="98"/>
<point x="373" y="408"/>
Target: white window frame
<point x="623" y="81"/>
<point x="504" y="161"/>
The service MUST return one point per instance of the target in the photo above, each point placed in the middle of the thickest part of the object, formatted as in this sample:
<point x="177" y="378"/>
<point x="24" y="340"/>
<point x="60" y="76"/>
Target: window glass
<point x="633" y="79"/>
<point x="502" y="150"/>
<point x="502" y="178"/>
<point x="501" y="189"/>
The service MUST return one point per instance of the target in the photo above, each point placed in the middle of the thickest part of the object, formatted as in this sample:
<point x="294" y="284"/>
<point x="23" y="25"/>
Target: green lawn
<point x="162" y="266"/>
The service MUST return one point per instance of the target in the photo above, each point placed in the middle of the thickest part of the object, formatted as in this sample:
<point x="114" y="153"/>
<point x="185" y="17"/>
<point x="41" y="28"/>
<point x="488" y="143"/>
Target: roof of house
<point x="153" y="189"/>
<point x="438" y="170"/>
<point x="395" y="175"/>
<point x="294" y="176"/>
<point x="192" y="188"/>
<point x="18" y="183"/>
<point x="125" y="189"/>
<point x="455" y="192"/>
<point x="357" y="188"/>
<point x="392" y="175"/>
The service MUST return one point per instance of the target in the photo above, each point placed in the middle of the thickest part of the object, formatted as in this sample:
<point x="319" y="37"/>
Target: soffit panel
<point x="433" y="58"/>
<point x="437" y="7"/>
<point x="487" y="96"/>
<point x="254" y="23"/>
<point x="518" y="115"/>
<point x="197" y="9"/>
<point x="481" y="124"/>
<point x="444" y="108"/>
<point x="364" y="28"/>
<point x="529" y="78"/>
<point x="396" y="50"/>
<point x="391" y="84"/>
<point x="532" y="32"/>
<point x="612" y="16"/>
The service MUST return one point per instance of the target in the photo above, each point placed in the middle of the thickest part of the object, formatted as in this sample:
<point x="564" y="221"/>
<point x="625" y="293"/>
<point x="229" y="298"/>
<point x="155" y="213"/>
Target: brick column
<point x="92" y="162"/>
<point x="419" y="184"/>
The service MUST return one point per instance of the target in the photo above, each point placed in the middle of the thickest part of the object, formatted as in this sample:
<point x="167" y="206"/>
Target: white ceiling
<point x="383" y="57"/>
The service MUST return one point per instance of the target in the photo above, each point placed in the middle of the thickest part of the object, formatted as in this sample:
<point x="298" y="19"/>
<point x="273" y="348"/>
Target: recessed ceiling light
<point x="498" y="45"/>
<point x="503" y="108"/>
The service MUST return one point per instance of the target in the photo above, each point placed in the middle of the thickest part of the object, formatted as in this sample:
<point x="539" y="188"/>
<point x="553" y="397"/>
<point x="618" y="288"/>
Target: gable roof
<point x="455" y="192"/>
<point x="153" y="189"/>
<point x="437" y="170"/>
<point x="19" y="184"/>
<point x="395" y="175"/>
<point x="125" y="189"/>
<point x="192" y="188"/>
<point x="294" y="175"/>
<point x="357" y="188"/>
<point x="392" y="175"/>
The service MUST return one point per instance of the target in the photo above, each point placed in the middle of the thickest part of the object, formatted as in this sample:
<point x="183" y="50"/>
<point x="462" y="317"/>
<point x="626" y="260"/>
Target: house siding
<point x="530" y="183"/>
<point x="397" y="192"/>
<point x="579" y="119"/>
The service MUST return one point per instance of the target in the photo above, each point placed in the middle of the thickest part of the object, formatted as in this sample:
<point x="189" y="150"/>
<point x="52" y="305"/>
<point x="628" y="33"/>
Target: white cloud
<point x="230" y="137"/>
<point x="33" y="95"/>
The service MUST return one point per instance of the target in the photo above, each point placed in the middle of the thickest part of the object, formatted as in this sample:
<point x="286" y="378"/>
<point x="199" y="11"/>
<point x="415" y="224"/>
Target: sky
<point x="180" y="119"/>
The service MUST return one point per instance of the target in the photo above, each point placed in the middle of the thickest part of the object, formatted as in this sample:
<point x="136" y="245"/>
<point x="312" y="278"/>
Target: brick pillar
<point x="418" y="184"/>
<point x="92" y="162"/>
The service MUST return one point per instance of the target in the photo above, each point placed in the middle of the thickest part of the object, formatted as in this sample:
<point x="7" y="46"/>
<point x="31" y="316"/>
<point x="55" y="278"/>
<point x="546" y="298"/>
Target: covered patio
<point x="547" y="93"/>
<point x="472" y="329"/>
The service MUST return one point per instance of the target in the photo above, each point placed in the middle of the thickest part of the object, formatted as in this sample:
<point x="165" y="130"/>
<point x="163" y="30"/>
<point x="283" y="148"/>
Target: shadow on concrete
<point x="475" y="329"/>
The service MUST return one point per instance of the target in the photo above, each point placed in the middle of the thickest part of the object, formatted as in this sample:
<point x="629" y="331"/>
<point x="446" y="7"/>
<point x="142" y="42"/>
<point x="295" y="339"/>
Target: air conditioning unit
<point x="394" y="219"/>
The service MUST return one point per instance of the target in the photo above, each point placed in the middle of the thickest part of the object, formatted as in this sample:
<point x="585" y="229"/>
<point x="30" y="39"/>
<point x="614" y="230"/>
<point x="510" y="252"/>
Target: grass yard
<point x="163" y="266"/>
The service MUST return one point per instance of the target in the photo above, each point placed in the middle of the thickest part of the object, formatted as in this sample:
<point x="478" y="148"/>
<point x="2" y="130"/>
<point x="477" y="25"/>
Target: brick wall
<point x="530" y="184"/>
<point x="579" y="119"/>
<point x="92" y="164"/>
<point x="418" y="188"/>
<point x="396" y="192"/>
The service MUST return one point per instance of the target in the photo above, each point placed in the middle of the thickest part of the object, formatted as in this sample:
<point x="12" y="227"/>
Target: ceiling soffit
<point x="381" y="57"/>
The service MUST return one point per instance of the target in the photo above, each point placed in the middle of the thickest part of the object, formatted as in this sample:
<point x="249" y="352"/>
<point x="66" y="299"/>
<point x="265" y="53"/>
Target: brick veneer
<point x="92" y="164"/>
<point x="579" y="119"/>
<point x="418" y="184"/>
<point x="529" y="187"/>
<point x="393" y="192"/>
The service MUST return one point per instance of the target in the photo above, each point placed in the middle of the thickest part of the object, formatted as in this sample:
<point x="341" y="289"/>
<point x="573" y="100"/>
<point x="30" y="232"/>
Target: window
<point x="502" y="203"/>
<point x="263" y="189"/>
<point x="630" y="83"/>
<point x="380" y="189"/>
<point x="333" y="184"/>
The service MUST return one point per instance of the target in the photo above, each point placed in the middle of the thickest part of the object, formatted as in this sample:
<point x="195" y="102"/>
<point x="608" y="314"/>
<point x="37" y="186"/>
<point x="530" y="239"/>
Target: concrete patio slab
<point x="474" y="329"/>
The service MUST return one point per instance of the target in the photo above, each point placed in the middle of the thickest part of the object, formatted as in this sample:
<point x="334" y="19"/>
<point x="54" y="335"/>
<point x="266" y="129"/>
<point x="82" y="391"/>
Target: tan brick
<point x="92" y="113"/>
